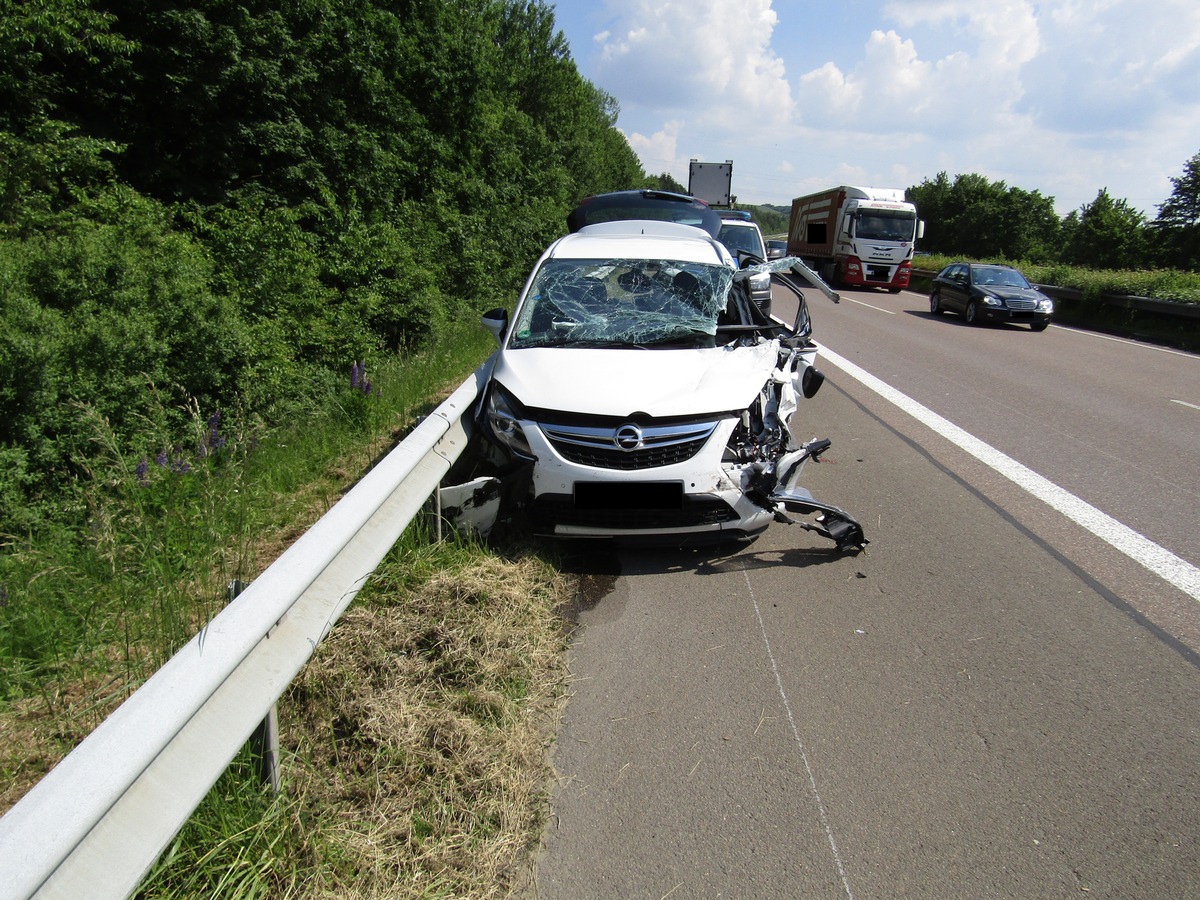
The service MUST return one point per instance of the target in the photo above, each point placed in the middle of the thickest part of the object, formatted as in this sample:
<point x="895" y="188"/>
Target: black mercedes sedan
<point x="990" y="293"/>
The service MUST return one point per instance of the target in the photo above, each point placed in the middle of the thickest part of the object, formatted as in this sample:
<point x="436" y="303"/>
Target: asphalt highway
<point x="999" y="697"/>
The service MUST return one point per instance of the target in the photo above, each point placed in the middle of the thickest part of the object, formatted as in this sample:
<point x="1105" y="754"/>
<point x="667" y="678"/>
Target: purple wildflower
<point x="215" y="440"/>
<point x="143" y="467"/>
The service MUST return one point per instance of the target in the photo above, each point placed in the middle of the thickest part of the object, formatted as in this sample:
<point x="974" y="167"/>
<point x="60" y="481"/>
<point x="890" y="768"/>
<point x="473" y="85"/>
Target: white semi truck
<point x="856" y="236"/>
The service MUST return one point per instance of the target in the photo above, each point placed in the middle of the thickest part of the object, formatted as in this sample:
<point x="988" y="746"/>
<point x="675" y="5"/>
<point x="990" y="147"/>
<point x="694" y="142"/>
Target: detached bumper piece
<point x="836" y="524"/>
<point x="778" y="490"/>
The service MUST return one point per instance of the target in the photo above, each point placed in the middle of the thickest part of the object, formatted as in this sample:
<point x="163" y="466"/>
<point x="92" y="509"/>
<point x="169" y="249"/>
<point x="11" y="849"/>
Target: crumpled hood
<point x="622" y="382"/>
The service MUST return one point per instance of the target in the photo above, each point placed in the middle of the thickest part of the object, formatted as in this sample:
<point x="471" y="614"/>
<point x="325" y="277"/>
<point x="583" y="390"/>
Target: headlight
<point x="503" y="422"/>
<point x="760" y="281"/>
<point x="1046" y="305"/>
<point x="989" y="300"/>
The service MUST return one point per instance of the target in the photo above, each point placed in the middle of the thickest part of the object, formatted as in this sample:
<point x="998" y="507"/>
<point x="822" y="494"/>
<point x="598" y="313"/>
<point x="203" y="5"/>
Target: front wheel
<point x="1038" y="326"/>
<point x="935" y="304"/>
<point x="972" y="314"/>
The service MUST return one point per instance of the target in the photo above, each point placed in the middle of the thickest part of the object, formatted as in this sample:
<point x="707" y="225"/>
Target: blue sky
<point x="1064" y="98"/>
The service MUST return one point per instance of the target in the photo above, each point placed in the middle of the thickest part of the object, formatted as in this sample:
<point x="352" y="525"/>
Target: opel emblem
<point x="628" y="437"/>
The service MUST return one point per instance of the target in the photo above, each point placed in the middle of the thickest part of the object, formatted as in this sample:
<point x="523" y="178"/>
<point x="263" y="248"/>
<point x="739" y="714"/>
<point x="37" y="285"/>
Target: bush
<point x="112" y="312"/>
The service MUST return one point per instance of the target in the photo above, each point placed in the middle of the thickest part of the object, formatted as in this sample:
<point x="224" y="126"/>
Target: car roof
<point x="641" y="239"/>
<point x="645" y="205"/>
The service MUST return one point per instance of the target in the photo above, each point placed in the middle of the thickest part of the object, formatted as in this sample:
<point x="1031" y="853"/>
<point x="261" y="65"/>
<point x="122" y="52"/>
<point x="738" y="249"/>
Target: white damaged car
<point x="639" y="393"/>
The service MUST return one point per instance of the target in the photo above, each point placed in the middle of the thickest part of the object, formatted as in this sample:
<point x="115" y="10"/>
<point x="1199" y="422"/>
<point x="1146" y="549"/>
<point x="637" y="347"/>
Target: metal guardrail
<point x="95" y="824"/>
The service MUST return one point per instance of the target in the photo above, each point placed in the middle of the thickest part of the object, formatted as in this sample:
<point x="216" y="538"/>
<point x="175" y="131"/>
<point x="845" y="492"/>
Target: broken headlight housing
<point x="503" y="421"/>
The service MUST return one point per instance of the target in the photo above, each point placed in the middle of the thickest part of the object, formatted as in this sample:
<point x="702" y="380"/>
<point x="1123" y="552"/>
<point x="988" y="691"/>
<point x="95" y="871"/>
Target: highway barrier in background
<point x="1161" y="321"/>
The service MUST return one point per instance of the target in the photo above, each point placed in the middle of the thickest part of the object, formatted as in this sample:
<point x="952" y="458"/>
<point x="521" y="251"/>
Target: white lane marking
<point x="1136" y="546"/>
<point x="1185" y="403"/>
<point x="868" y="305"/>
<point x="812" y="779"/>
<point x="1117" y="340"/>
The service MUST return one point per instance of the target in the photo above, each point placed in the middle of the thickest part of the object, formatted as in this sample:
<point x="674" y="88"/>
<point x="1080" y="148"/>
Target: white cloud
<point x="892" y="88"/>
<point x="712" y="58"/>
<point x="659" y="152"/>
<point x="1062" y="96"/>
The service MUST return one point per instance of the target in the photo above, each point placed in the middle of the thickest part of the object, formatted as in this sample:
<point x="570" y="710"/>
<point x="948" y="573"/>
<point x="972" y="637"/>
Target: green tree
<point x="1178" y="224"/>
<point x="1111" y="234"/>
<point x="985" y="219"/>
<point x="229" y="201"/>
<point x="665" y="182"/>
<point x="50" y="51"/>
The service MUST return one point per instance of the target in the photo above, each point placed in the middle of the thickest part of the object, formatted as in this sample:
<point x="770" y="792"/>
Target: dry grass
<point x="419" y="733"/>
<point x="37" y="732"/>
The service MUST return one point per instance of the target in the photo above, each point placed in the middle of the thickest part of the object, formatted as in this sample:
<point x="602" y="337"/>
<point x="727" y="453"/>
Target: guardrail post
<point x="264" y="740"/>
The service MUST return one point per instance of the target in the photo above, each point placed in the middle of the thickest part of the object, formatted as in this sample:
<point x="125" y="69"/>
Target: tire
<point x="935" y="304"/>
<point x="972" y="313"/>
<point x="1039" y="326"/>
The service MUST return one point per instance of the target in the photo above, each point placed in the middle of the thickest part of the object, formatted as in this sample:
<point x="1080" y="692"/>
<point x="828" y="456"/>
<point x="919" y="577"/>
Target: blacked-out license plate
<point x="628" y="495"/>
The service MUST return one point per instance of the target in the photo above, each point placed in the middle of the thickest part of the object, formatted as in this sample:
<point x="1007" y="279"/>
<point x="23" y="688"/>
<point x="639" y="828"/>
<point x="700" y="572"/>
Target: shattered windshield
<point x="622" y="303"/>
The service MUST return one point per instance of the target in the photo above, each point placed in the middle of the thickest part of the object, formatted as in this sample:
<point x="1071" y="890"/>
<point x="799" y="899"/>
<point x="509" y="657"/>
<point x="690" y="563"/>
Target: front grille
<point x="559" y="509"/>
<point x="628" y="461"/>
<point x="656" y="446"/>
<point x="1020" y="303"/>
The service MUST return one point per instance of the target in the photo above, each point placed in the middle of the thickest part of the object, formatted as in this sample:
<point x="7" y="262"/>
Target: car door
<point x="954" y="291"/>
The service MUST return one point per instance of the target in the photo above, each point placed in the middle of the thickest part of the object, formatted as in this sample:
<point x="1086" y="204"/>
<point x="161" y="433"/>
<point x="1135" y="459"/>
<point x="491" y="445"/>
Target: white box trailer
<point x="711" y="182"/>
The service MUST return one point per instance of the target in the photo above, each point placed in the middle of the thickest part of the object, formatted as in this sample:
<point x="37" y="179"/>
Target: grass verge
<point x="414" y="743"/>
<point x="415" y="739"/>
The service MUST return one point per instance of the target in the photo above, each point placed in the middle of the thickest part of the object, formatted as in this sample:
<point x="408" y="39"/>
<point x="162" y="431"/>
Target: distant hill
<point x="771" y="219"/>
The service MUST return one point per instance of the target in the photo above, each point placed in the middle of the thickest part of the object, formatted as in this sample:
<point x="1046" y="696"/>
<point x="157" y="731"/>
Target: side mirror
<point x="496" y="321"/>
<point x="811" y="382"/>
<point x="920" y="229"/>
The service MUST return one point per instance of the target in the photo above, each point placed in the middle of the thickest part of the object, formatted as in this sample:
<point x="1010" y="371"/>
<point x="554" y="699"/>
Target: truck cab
<point x="856" y="236"/>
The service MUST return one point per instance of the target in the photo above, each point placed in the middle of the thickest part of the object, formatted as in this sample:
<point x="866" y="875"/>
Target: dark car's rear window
<point x="658" y="206"/>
